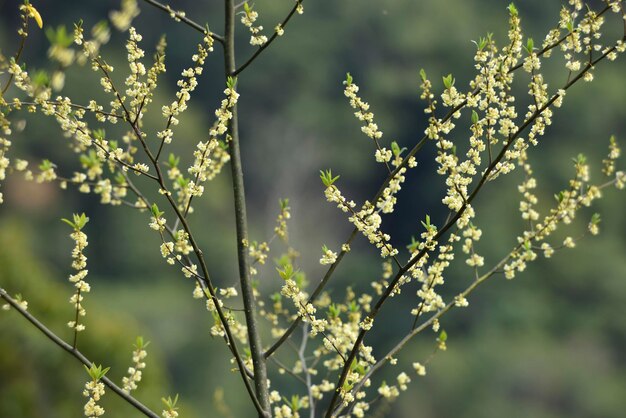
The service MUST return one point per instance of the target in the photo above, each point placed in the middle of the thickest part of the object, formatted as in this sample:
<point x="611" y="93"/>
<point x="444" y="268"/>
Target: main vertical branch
<point x="256" y="349"/>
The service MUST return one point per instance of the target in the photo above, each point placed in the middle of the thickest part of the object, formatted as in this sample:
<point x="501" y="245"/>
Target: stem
<point x="77" y="354"/>
<point x="254" y="337"/>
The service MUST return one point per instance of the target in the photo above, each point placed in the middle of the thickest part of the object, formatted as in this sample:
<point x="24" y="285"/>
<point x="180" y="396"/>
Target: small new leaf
<point x="530" y="45"/>
<point x="395" y="148"/>
<point x="286" y="272"/>
<point x="474" y="117"/>
<point x="348" y="80"/>
<point x="140" y="343"/>
<point x="173" y="160"/>
<point x="155" y="211"/>
<point x="327" y="177"/>
<point x="79" y="221"/>
<point x="96" y="372"/>
<point x="413" y="245"/>
<point x="423" y="74"/>
<point x="595" y="219"/>
<point x="170" y="403"/>
<point x="46" y="165"/>
<point x="448" y="81"/>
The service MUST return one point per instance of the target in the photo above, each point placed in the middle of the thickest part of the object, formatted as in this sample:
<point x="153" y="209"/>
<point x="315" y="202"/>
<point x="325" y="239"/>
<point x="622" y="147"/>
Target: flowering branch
<point x="392" y="285"/>
<point x="75" y="353"/>
<point x="416" y="148"/>
<point x="279" y="30"/>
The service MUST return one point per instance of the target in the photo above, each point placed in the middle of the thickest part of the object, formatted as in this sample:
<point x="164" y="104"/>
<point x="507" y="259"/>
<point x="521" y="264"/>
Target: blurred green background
<point x="550" y="343"/>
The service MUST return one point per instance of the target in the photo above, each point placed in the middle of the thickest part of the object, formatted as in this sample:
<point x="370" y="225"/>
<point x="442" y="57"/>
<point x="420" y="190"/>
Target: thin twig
<point x="184" y="19"/>
<point x="18" y="54"/>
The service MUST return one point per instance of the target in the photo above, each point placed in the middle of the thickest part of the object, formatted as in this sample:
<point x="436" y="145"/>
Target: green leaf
<point x="448" y="81"/>
<point x="79" y="221"/>
<point x="443" y="336"/>
<point x="155" y="211"/>
<point x="173" y="160"/>
<point x="140" y="343"/>
<point x="286" y="272"/>
<point x="99" y="134"/>
<point x="413" y="245"/>
<point x="423" y="74"/>
<point x="348" y="81"/>
<point x="580" y="159"/>
<point x="395" y="148"/>
<point x="170" y="403"/>
<point x="70" y="223"/>
<point x="40" y="78"/>
<point x="96" y="372"/>
<point x="474" y="117"/>
<point x="46" y="165"/>
<point x="595" y="218"/>
<point x="327" y="177"/>
<point x="427" y="225"/>
<point x="333" y="311"/>
<point x="530" y="45"/>
<point x="513" y="9"/>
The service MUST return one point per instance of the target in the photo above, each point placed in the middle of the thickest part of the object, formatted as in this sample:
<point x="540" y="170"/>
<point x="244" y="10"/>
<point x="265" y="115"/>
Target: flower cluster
<point x="135" y="371"/>
<point x="367" y="220"/>
<point x="94" y="390"/>
<point x="170" y="411"/>
<point x="186" y="85"/>
<point x="363" y="114"/>
<point x="248" y="19"/>
<point x="258" y="253"/>
<point x="210" y="155"/>
<point x="281" y="221"/>
<point x="123" y="18"/>
<point x="79" y="264"/>
<point x="328" y="256"/>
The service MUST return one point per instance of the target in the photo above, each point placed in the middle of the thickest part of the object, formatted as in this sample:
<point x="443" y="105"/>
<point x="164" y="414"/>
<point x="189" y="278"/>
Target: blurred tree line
<point x="550" y="343"/>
